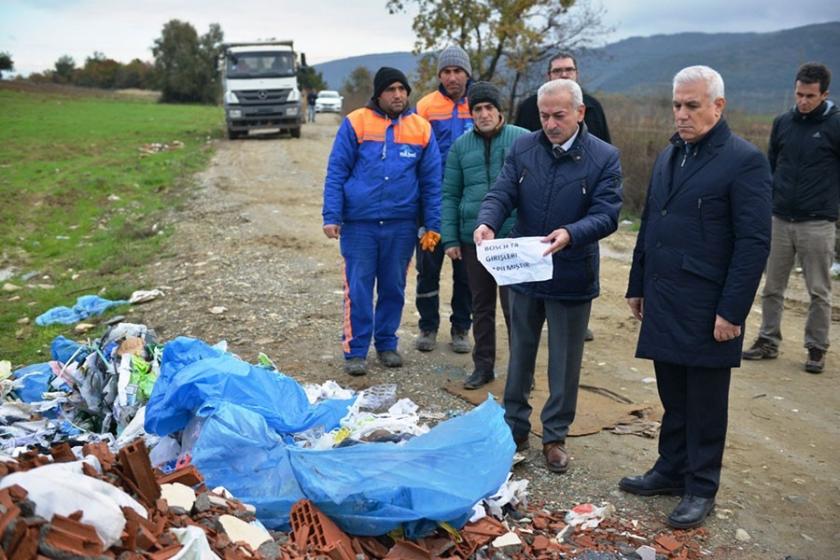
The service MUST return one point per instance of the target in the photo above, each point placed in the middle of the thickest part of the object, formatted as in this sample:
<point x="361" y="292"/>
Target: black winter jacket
<point x="804" y="156"/>
<point x="528" y="116"/>
<point x="701" y="249"/>
<point x="579" y="191"/>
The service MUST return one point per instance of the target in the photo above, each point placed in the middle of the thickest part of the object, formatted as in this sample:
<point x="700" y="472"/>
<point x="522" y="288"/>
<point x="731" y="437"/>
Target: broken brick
<point x="134" y="458"/>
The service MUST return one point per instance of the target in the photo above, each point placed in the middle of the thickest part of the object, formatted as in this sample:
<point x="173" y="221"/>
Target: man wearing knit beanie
<point x="383" y="176"/>
<point x="449" y="113"/>
<point x="473" y="163"/>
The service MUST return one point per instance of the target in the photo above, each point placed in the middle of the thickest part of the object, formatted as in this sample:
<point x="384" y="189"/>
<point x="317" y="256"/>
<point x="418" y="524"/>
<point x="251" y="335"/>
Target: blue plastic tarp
<point x="86" y="306"/>
<point x="247" y="414"/>
<point x="32" y="381"/>
<point x="195" y="375"/>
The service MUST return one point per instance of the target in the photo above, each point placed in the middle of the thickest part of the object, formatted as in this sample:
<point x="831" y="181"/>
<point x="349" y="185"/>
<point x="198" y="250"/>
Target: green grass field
<point x="82" y="201"/>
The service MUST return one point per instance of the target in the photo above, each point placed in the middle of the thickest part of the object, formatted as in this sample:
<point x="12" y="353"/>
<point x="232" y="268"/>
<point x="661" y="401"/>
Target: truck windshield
<point x="260" y="65"/>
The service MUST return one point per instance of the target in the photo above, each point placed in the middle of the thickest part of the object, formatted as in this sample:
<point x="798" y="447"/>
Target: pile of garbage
<point x="89" y="502"/>
<point x="324" y="470"/>
<point x="92" y="388"/>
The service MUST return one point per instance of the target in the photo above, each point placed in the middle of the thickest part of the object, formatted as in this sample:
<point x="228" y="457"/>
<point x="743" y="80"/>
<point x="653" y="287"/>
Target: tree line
<point x="185" y="67"/>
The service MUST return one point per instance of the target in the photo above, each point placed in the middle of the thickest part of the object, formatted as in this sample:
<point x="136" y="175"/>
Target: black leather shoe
<point x="479" y="378"/>
<point x="690" y="512"/>
<point x="651" y="484"/>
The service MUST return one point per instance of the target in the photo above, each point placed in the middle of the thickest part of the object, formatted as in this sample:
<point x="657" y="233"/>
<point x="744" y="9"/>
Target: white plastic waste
<point x="195" y="545"/>
<point x="61" y="488"/>
<point x="588" y="516"/>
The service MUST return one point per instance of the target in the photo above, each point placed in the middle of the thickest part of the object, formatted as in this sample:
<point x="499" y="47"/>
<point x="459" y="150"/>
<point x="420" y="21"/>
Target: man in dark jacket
<point x="805" y="160"/>
<point x="472" y="166"/>
<point x="564" y="65"/>
<point x="565" y="186"/>
<point x="703" y="242"/>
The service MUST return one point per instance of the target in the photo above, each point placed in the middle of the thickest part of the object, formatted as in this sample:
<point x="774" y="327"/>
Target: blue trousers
<point x="375" y="254"/>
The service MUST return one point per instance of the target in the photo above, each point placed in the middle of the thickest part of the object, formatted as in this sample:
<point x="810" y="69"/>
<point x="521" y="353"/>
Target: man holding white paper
<point x="565" y="185"/>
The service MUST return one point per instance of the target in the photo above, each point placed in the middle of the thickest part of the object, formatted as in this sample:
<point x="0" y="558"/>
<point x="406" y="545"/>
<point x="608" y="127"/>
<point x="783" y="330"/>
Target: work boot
<point x="816" y="360"/>
<point x="479" y="378"/>
<point x="588" y="336"/>
<point x="355" y="367"/>
<point x="461" y="342"/>
<point x="762" y="349"/>
<point x="522" y="444"/>
<point x="556" y="457"/>
<point x="427" y="341"/>
<point x="390" y="358"/>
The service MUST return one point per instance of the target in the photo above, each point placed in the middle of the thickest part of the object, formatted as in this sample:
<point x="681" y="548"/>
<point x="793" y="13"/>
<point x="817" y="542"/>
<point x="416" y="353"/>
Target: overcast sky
<point x="38" y="32"/>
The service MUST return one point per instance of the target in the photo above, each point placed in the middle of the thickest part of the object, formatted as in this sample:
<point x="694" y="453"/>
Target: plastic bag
<point x="63" y="350"/>
<point x="32" y="381"/>
<point x="86" y="306"/>
<point x="436" y="477"/>
<point x="62" y="488"/>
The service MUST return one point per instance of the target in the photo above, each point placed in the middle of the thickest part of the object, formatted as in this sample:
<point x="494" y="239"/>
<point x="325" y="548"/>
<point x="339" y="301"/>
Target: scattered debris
<point x="158" y="147"/>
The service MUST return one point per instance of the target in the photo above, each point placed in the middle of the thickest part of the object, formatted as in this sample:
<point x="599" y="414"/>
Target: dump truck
<point x="260" y="86"/>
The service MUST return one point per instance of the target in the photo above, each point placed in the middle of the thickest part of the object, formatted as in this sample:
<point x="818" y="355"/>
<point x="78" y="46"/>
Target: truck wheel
<point x="295" y="132"/>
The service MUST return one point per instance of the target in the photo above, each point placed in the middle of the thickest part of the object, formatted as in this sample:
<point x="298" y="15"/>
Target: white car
<point x="328" y="101"/>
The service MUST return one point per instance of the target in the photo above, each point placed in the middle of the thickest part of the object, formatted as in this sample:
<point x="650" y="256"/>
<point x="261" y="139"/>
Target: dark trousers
<point x="429" y="265"/>
<point x="693" y="434"/>
<point x="566" y="330"/>
<point x="483" y="289"/>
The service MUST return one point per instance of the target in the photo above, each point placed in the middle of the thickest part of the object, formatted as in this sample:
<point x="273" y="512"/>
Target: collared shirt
<point x="565" y="146"/>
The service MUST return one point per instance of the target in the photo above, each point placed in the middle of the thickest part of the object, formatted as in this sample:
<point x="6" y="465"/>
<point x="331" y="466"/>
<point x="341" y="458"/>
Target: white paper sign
<point x="516" y="260"/>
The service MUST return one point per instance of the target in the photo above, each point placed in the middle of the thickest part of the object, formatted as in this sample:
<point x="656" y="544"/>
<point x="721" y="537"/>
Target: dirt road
<point x="250" y="240"/>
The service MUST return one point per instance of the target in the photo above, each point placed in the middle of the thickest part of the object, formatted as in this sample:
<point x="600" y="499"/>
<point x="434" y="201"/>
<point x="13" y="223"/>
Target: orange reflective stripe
<point x="437" y="107"/>
<point x="413" y="129"/>
<point x="347" y="326"/>
<point x="371" y="127"/>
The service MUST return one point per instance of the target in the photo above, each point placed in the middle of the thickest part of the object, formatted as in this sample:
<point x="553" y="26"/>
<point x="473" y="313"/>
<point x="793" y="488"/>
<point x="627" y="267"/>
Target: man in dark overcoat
<point x="701" y="249"/>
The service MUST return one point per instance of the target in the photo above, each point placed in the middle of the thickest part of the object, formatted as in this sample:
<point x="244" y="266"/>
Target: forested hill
<point x="758" y="68"/>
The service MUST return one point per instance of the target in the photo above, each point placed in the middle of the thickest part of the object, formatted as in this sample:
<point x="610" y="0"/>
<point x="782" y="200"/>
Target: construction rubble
<point x="126" y="448"/>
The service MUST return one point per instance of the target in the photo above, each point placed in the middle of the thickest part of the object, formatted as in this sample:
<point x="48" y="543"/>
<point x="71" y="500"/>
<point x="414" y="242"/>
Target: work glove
<point x="429" y="240"/>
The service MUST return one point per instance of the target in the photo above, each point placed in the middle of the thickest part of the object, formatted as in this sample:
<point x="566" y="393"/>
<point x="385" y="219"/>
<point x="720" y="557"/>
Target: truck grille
<point x="262" y="96"/>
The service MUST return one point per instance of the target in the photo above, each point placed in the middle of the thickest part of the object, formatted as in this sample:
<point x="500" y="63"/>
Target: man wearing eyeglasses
<point x="564" y="66"/>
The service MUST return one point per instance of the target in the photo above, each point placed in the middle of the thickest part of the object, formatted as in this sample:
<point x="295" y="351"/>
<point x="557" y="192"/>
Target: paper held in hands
<point x="516" y="260"/>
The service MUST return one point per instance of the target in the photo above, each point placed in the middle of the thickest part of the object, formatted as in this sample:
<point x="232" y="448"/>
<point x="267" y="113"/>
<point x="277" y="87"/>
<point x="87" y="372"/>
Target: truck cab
<point x="260" y="88"/>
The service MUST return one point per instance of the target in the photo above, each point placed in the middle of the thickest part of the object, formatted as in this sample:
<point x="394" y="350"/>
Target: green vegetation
<point x="83" y="197"/>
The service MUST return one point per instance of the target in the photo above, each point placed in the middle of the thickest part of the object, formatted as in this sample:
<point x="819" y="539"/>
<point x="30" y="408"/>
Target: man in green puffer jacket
<point x="471" y="168"/>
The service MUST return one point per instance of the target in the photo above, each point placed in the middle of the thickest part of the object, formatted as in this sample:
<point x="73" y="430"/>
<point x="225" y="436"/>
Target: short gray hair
<point x="556" y="86"/>
<point x="691" y="74"/>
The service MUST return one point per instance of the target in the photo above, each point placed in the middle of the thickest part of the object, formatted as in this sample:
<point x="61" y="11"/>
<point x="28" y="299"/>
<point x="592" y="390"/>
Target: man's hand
<point x="429" y="240"/>
<point x="454" y="253"/>
<point x="332" y="231"/>
<point x="559" y="239"/>
<point x="724" y="330"/>
<point x="483" y="232"/>
<point x="637" y="306"/>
